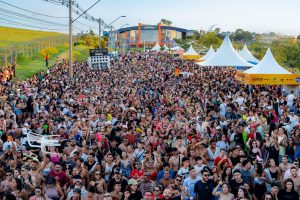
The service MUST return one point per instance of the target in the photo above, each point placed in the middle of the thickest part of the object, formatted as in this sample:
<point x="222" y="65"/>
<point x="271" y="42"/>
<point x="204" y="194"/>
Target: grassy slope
<point x="10" y="35"/>
<point x="29" y="66"/>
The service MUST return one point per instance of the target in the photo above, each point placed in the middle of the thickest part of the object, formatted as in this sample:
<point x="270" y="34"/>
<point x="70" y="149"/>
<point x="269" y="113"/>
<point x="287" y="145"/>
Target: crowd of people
<point x="141" y="130"/>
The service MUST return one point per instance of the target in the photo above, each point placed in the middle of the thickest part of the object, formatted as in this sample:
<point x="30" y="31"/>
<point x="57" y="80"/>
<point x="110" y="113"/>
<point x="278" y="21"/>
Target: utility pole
<point x="99" y="33"/>
<point x="70" y="40"/>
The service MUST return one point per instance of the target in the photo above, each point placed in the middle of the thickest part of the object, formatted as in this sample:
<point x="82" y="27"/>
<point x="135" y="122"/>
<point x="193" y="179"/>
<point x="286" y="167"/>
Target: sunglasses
<point x="205" y="175"/>
<point x="8" y="174"/>
<point x="38" y="191"/>
<point x="106" y="196"/>
<point x="97" y="174"/>
<point x="177" y="179"/>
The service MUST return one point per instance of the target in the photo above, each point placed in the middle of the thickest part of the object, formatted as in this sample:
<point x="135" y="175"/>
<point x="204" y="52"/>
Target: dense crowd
<point x="151" y="127"/>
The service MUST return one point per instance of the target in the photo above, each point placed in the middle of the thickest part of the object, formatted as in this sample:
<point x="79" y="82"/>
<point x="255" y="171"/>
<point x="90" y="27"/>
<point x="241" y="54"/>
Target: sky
<point x="260" y="16"/>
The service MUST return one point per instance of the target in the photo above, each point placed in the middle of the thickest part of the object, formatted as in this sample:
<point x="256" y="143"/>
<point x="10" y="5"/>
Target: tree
<point x="92" y="40"/>
<point x="165" y="21"/>
<point x="208" y="39"/>
<point x="241" y="35"/>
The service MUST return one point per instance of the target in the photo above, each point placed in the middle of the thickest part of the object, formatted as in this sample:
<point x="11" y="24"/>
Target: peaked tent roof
<point x="191" y="51"/>
<point x="166" y="48"/>
<point x="210" y="52"/>
<point x="226" y="56"/>
<point x="246" y="54"/>
<point x="268" y="65"/>
<point x="156" y="47"/>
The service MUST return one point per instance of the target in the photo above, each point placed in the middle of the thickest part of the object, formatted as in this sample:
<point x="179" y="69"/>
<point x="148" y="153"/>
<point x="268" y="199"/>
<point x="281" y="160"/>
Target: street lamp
<point x="99" y="21"/>
<point x="111" y="27"/>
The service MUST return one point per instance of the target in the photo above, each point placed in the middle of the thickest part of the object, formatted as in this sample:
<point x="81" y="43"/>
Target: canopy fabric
<point x="225" y="56"/>
<point x="210" y="52"/>
<point x="191" y="51"/>
<point x="177" y="48"/>
<point x="267" y="65"/>
<point x="156" y="47"/>
<point x="246" y="55"/>
<point x="166" y="48"/>
<point x="190" y="54"/>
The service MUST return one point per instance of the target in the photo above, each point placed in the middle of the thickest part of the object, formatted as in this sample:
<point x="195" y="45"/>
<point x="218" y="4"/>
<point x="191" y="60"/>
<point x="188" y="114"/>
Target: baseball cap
<point x="77" y="190"/>
<point x="118" y="170"/>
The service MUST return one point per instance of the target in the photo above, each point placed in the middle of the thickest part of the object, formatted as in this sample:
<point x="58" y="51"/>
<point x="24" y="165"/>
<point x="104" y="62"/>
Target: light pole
<point x="71" y="21"/>
<point x="70" y="40"/>
<point x="99" y="21"/>
<point x="109" y="25"/>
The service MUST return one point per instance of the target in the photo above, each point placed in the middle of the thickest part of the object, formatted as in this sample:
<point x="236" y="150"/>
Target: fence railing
<point x="9" y="54"/>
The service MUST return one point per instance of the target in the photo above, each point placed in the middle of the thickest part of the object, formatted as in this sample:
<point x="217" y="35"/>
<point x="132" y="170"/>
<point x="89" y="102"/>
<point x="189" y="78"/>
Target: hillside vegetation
<point x="10" y="35"/>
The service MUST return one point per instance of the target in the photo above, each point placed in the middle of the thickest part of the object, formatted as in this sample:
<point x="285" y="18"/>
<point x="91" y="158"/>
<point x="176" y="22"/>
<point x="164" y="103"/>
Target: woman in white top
<point x="224" y="194"/>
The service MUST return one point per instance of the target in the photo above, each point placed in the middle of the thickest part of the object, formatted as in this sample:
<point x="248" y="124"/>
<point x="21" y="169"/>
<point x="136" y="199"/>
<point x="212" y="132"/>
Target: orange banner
<point x="190" y="57"/>
<point x="268" y="79"/>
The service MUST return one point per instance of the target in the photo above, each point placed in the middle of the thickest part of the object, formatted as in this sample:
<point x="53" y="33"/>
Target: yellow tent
<point x="268" y="72"/>
<point x="191" y="54"/>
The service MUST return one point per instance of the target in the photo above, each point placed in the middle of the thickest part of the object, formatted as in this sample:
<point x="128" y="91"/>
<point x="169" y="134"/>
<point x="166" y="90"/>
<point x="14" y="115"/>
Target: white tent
<point x="225" y="56"/>
<point x="246" y="54"/>
<point x="191" y="51"/>
<point x="166" y="48"/>
<point x="190" y="54"/>
<point x="210" y="52"/>
<point x="156" y="47"/>
<point x="177" y="48"/>
<point x="267" y="65"/>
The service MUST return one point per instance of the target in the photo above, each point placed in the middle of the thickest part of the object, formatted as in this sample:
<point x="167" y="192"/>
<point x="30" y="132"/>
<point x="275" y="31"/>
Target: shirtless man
<point x="36" y="176"/>
<point x="180" y="146"/>
<point x="175" y="160"/>
<point x="284" y="165"/>
<point x="9" y="183"/>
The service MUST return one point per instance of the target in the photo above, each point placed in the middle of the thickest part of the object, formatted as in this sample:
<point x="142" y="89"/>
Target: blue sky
<point x="280" y="16"/>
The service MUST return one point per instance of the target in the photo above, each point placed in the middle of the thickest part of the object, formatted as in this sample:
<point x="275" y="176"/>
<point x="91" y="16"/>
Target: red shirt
<point x="62" y="177"/>
<point x="218" y="159"/>
<point x="137" y="173"/>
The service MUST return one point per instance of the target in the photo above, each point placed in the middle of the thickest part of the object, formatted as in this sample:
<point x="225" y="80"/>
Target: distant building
<point x="148" y="35"/>
<point x="268" y="38"/>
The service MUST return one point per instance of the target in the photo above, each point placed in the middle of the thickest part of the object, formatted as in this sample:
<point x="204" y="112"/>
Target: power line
<point x="29" y="17"/>
<point x="7" y="20"/>
<point x="25" y="19"/>
<point x="78" y="11"/>
<point x="30" y="10"/>
<point x="86" y="25"/>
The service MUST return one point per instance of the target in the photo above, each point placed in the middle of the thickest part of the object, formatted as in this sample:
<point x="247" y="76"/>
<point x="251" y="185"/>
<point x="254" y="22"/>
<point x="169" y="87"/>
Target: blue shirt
<point x="189" y="183"/>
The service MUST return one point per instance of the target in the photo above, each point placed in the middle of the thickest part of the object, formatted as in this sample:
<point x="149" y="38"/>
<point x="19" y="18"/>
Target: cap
<point x="77" y="190"/>
<point x="132" y="182"/>
<point x="218" y="128"/>
<point x="118" y="170"/>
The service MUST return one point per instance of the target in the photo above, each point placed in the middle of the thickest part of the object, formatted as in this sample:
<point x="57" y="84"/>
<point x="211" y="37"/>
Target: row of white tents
<point x="157" y="47"/>
<point x="226" y="55"/>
